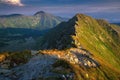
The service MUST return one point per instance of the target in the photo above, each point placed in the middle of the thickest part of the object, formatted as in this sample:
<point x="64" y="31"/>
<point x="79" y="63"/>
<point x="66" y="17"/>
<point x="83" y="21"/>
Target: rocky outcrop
<point x="40" y="66"/>
<point x="81" y="57"/>
<point x="75" y="56"/>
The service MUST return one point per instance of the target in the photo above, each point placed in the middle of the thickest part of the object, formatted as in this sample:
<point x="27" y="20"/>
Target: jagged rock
<point x="82" y="57"/>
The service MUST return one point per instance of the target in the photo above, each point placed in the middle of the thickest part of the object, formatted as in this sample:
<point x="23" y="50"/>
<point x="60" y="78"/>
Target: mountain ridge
<point x="85" y="21"/>
<point x="40" y="20"/>
<point x="96" y="36"/>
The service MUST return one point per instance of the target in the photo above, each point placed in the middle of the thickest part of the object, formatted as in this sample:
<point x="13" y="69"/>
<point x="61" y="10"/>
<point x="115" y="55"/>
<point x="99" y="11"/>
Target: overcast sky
<point x="107" y="9"/>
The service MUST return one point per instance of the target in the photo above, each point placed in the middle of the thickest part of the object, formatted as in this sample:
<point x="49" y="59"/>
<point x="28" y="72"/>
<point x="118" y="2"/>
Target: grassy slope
<point x="98" y="37"/>
<point x="40" y="21"/>
<point x="19" y="21"/>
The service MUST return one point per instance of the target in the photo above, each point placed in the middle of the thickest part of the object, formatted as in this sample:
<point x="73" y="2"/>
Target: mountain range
<point x="16" y="28"/>
<point x="82" y="48"/>
<point x="40" y="21"/>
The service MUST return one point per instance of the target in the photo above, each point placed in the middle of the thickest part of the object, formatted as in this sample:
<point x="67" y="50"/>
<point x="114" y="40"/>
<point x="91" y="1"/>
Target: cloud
<point x="12" y="2"/>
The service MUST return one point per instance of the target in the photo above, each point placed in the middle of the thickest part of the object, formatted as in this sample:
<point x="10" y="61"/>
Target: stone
<point x="76" y="60"/>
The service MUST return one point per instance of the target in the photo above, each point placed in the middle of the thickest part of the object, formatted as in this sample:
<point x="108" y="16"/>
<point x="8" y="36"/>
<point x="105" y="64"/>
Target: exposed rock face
<point x="78" y="56"/>
<point x="38" y="66"/>
<point x="82" y="57"/>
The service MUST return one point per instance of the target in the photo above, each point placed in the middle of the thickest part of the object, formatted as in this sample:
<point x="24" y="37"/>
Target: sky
<point x="105" y="9"/>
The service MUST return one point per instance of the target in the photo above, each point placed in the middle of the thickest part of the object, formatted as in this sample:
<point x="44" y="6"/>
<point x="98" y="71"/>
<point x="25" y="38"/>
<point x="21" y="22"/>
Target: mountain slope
<point x="40" y="20"/>
<point x="46" y="20"/>
<point x="98" y="37"/>
<point x="81" y="49"/>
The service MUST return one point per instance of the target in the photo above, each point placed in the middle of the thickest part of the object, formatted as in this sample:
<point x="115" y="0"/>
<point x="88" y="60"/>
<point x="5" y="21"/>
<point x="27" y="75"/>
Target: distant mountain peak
<point x="40" y="21"/>
<point x="12" y="15"/>
<point x="39" y="12"/>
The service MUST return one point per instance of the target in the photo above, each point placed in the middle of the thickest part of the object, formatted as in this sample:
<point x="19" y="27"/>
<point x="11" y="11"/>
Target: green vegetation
<point x="7" y="35"/>
<point x="62" y="63"/>
<point x="20" y="57"/>
<point x="15" y="58"/>
<point x="63" y="67"/>
<point x="40" y="21"/>
<point x="97" y="36"/>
